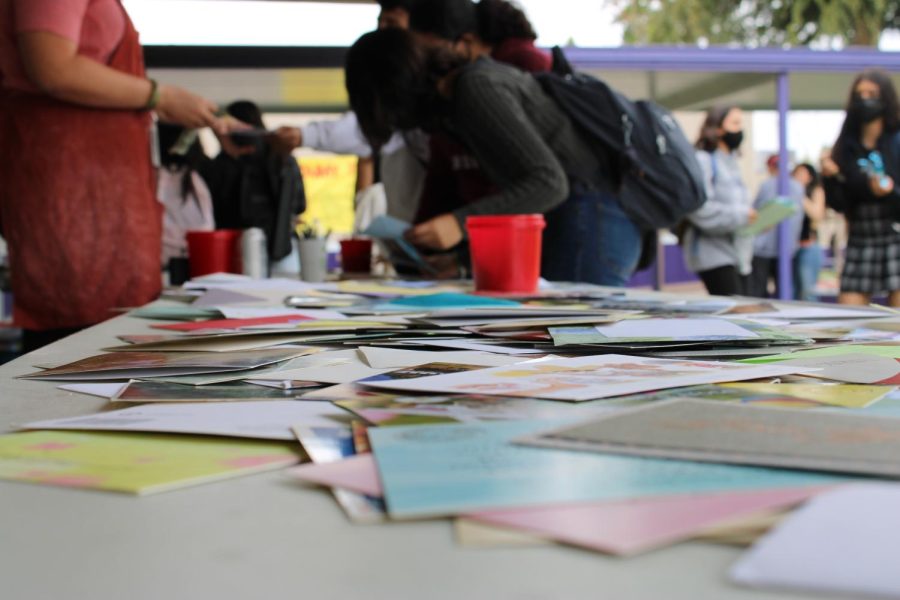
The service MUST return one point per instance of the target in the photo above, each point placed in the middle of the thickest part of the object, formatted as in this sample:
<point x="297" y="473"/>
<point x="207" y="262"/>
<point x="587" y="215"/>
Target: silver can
<point x="254" y="256"/>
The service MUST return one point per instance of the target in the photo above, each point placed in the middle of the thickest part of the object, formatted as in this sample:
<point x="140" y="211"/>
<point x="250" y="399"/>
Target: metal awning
<point x="681" y="78"/>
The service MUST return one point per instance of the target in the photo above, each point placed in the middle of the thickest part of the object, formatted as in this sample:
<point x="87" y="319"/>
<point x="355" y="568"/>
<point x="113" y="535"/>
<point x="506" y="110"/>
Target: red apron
<point x="78" y="206"/>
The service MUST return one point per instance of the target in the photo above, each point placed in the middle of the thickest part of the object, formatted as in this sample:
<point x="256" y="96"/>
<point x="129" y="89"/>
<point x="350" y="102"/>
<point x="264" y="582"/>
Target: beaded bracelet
<point x="153" y="99"/>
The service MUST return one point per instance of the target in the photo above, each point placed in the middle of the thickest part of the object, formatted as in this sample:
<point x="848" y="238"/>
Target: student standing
<point x="859" y="181"/>
<point x="712" y="248"/>
<point x="494" y="28"/>
<point x="524" y="142"/>
<point x="808" y="258"/>
<point x="256" y="184"/>
<point x="77" y="202"/>
<point x="766" y="246"/>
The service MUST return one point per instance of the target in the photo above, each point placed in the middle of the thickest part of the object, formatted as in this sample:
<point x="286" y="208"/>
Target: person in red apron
<point x="77" y="199"/>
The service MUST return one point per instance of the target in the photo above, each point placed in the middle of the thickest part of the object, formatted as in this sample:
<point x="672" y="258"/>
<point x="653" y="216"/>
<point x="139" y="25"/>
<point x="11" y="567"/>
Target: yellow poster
<point x="330" y="183"/>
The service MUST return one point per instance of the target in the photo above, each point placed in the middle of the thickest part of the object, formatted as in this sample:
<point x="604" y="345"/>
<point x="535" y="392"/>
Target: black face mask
<point x="733" y="139"/>
<point x="867" y="109"/>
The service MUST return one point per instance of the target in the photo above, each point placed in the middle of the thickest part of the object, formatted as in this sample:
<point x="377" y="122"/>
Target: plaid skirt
<point x="872" y="260"/>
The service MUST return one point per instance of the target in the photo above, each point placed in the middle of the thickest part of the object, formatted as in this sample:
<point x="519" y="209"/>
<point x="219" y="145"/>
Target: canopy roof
<point x="311" y="79"/>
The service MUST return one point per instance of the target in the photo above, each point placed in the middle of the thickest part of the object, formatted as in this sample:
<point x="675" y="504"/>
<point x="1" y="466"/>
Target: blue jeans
<point x="589" y="238"/>
<point x="807" y="264"/>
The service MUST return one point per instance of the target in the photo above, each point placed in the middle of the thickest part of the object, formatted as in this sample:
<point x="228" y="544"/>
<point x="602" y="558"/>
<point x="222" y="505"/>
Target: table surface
<point x="266" y="536"/>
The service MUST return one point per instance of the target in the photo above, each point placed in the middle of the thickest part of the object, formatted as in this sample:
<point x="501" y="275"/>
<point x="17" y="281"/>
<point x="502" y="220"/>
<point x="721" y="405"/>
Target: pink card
<point x="357" y="473"/>
<point x="623" y="527"/>
<point x="634" y="526"/>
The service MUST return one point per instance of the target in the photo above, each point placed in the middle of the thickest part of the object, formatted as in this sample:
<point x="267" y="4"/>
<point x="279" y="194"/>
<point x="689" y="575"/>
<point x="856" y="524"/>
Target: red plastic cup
<point x="214" y="251"/>
<point x="356" y="256"/>
<point x="506" y="252"/>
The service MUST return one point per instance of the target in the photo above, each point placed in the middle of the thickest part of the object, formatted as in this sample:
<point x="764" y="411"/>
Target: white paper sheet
<point x="256" y="312"/>
<point x="264" y="420"/>
<point x="102" y="390"/>
<point x="475" y="346"/>
<point x="392" y="358"/>
<point x="341" y="366"/>
<point x="843" y="542"/>
<point x="676" y="329"/>
<point x="802" y="312"/>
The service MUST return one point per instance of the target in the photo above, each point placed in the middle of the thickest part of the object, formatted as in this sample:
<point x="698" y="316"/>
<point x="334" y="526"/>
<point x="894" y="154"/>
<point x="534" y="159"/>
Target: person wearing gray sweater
<point x="712" y="247"/>
<point x="523" y="141"/>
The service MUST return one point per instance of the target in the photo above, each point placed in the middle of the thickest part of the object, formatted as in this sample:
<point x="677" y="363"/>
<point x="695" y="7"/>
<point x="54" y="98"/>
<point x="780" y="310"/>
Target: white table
<point x="264" y="536"/>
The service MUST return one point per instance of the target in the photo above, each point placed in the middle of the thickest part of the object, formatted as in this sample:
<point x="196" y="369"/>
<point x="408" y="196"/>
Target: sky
<point x="242" y="22"/>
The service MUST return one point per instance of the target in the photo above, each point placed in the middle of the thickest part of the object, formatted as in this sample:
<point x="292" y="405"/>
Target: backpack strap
<point x="560" y="65"/>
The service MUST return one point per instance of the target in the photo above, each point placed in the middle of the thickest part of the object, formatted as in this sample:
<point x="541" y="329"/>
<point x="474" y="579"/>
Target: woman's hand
<point x="751" y="216"/>
<point x="881" y="185"/>
<point x="828" y="167"/>
<point x="285" y="139"/>
<point x="440" y="233"/>
<point x="231" y="125"/>
<point x="181" y="107"/>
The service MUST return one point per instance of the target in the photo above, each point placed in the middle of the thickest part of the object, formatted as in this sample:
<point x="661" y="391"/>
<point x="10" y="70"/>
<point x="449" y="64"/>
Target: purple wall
<point x="675" y="270"/>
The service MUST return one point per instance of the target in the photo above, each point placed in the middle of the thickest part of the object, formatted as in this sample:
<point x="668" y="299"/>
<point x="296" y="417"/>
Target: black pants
<point x="32" y="340"/>
<point x="723" y="281"/>
<point x="764" y="269"/>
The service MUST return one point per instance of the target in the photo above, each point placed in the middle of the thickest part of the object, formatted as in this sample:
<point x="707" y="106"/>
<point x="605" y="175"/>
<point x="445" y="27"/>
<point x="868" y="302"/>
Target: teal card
<point x="440" y="470"/>
<point x="447" y="300"/>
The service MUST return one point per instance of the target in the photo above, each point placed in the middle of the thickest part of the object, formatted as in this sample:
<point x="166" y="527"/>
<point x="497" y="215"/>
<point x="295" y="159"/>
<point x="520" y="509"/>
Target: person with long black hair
<point x="186" y="200"/>
<point x="860" y="181"/>
<point x="524" y="142"/>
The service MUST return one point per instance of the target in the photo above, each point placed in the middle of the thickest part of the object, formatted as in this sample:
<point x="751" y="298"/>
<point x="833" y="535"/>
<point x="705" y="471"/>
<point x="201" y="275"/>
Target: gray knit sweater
<point x="524" y="142"/>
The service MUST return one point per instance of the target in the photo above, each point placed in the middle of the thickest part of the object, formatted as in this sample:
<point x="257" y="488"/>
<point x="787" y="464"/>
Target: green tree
<point x="757" y="22"/>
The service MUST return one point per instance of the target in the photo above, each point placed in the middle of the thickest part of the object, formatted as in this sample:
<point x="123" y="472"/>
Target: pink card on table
<point x="634" y="526"/>
<point x="357" y="473"/>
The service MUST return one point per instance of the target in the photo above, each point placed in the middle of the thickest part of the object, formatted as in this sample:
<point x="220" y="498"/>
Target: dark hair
<point x="246" y="111"/>
<point x="406" y="5"/>
<point x="814" y="180"/>
<point x="851" y="130"/>
<point x="392" y="83"/>
<point x="446" y="19"/>
<point x="190" y="161"/>
<point x="708" y="139"/>
<point x="499" y="20"/>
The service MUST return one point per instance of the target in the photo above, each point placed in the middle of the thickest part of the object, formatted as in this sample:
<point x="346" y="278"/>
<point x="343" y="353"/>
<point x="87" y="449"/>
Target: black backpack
<point x="651" y="162"/>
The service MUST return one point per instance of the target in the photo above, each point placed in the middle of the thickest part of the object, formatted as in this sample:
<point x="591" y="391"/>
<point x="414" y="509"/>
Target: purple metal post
<point x="785" y="228"/>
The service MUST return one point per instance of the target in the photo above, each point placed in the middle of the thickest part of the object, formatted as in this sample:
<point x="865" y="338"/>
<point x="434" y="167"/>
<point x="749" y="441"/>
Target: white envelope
<point x="843" y="542"/>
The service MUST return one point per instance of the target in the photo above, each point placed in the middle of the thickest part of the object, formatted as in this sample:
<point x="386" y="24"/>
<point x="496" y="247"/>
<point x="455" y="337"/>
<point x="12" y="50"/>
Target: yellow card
<point x="385" y="287"/>
<point x="134" y="463"/>
<point x="848" y="396"/>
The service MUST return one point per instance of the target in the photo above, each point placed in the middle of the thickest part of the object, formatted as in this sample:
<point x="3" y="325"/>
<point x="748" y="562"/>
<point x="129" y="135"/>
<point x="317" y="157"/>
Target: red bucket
<point x="356" y="256"/>
<point x="506" y="252"/>
<point x="214" y="251"/>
